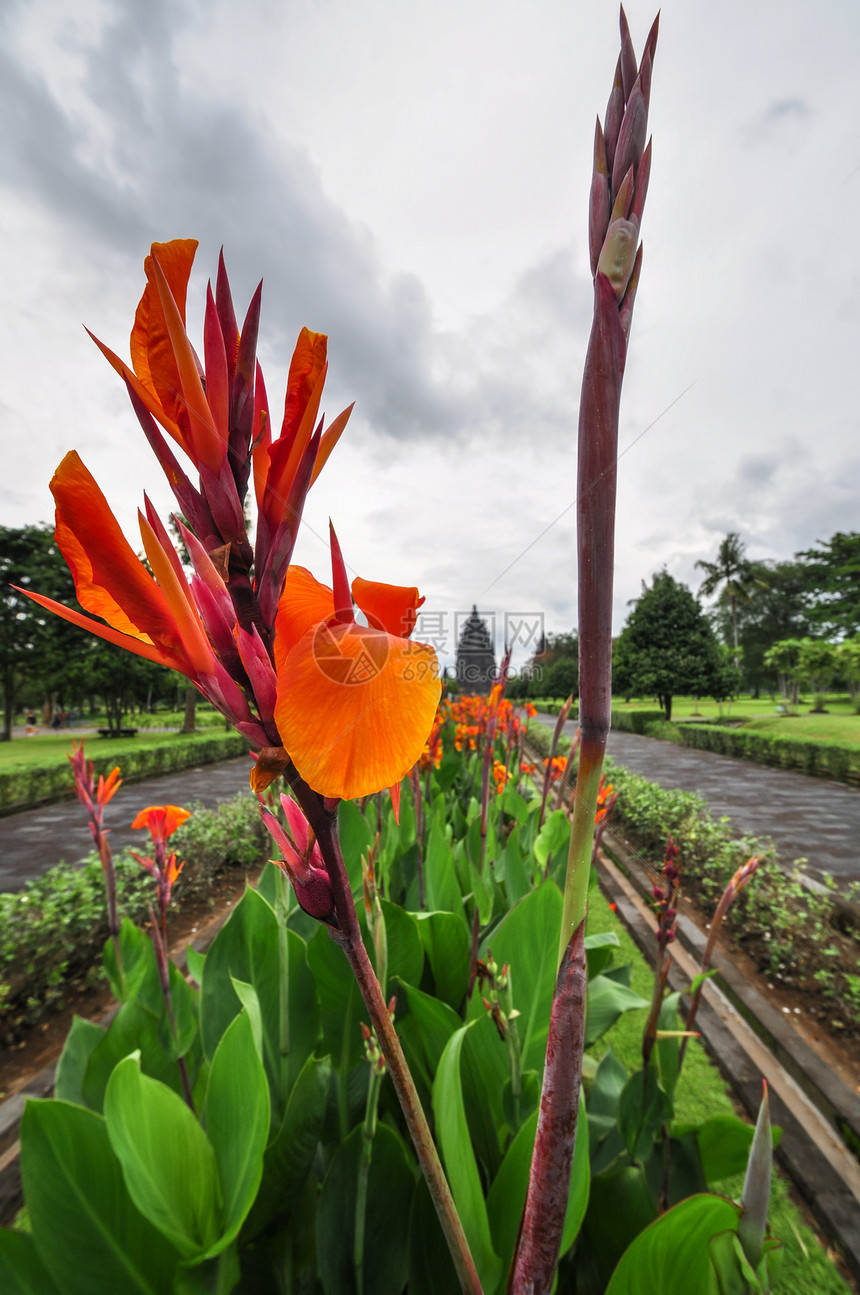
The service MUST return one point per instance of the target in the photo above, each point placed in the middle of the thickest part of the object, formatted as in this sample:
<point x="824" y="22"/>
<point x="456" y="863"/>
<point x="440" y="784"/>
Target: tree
<point x="817" y="666"/>
<point x="848" y="666"/>
<point x="833" y="576"/>
<point x="35" y="647"/>
<point x="784" y="658"/>
<point x="735" y="574"/>
<point x="668" y="647"/>
<point x="777" y="609"/>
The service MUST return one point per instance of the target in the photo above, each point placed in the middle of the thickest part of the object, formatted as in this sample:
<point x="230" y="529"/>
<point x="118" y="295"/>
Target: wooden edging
<point x="749" y="1041"/>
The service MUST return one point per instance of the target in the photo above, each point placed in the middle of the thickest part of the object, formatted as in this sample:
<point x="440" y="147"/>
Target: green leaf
<point x="724" y="1144"/>
<point x="607" y="1000"/>
<point x="431" y="1268"/>
<point x="672" y="1255"/>
<point x="386" y="1226"/>
<point x="518" y="878"/>
<point x="340" y="1003"/>
<point x="668" y="1050"/>
<point x="527" y="940"/>
<point x="137" y="961"/>
<point x="247" y="996"/>
<point x="553" y="840"/>
<point x="452" y="1132"/>
<point x="167" y="1161"/>
<point x="484" y="1070"/>
<point x="82" y="1039"/>
<point x="608" y="1085"/>
<point x="178" y="1037"/>
<point x="133" y="1029"/>
<point x="21" y="1269"/>
<point x="442" y="892"/>
<point x="598" y="951"/>
<point x="620" y="1206"/>
<point x="288" y="1158"/>
<point x="424" y="1032"/>
<point x="446" y="942"/>
<point x="86" y="1229"/>
<point x="355" y="840"/>
<point x="643" y="1108"/>
<point x="236" y="1117"/>
<point x="514" y="804"/>
<point x="507" y="1194"/>
<point x="196" y="962"/>
<point x="405" y="950"/>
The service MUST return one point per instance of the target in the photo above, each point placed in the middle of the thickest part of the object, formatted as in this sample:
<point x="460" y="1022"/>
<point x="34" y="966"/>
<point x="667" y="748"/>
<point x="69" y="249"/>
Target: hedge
<point x="803" y="754"/>
<point x="24" y="786"/>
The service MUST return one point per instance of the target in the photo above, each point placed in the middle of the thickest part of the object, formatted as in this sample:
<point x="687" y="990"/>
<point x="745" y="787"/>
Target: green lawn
<point x="703" y="1093"/>
<point x="839" y="724"/>
<point x="51" y="749"/>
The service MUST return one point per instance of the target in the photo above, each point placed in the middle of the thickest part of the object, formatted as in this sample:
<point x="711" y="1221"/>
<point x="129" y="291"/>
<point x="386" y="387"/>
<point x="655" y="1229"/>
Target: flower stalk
<point x="619" y="186"/>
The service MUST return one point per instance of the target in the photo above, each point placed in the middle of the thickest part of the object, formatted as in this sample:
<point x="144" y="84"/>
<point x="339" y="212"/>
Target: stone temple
<point x="476" y="660"/>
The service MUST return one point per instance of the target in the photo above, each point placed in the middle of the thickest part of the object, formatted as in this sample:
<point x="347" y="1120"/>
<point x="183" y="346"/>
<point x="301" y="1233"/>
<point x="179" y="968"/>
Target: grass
<point x="50" y="750"/>
<point x="703" y="1093"/>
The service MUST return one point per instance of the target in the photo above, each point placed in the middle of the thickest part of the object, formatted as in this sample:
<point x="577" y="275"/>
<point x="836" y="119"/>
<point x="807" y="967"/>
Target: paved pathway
<point x="810" y="818"/>
<point x="35" y="839"/>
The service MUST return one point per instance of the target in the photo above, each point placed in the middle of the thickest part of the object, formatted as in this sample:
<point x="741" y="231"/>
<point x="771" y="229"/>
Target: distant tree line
<point x="50" y="666"/>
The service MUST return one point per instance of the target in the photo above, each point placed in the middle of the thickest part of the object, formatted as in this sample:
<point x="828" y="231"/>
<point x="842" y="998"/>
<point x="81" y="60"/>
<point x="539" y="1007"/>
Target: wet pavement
<point x="809" y="818"/>
<point x="35" y="839"/>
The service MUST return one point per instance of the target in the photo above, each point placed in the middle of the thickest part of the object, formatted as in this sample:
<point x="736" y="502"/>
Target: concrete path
<point x="35" y="839"/>
<point x="809" y="818"/>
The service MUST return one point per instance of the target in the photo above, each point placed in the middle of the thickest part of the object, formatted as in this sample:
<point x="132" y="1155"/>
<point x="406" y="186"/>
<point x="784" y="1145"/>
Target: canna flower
<point x="500" y="776"/>
<point x="349" y="705"/>
<point x="162" y="821"/>
<point x="301" y="860"/>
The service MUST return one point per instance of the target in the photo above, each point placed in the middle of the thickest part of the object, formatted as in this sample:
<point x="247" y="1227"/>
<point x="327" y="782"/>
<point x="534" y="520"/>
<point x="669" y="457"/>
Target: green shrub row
<point x="643" y="722"/>
<point x="23" y="786"/>
<point x="53" y="932"/>
<point x="797" y="935"/>
<point x="803" y="754"/>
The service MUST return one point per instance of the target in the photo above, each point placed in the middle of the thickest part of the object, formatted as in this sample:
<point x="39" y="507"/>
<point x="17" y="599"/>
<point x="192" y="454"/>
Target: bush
<point x="803" y="754"/>
<point x="53" y="932"/>
<point x="23" y="786"/>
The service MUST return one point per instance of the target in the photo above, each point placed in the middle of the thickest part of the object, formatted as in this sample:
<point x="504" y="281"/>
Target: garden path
<point x="809" y="818"/>
<point x="33" y="840"/>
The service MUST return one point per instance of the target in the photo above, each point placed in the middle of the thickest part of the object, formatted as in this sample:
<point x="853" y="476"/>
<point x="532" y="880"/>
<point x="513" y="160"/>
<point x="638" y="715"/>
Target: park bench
<point x="123" y="732"/>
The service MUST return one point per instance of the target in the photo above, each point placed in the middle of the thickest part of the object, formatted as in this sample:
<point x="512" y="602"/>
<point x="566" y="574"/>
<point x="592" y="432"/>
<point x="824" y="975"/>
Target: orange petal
<point x="110" y="579"/>
<point x="388" y="607"/>
<point x="162" y="820"/>
<point x="355" y="707"/>
<point x="140" y="647"/>
<point x="304" y="604"/>
<point x="152" y="354"/>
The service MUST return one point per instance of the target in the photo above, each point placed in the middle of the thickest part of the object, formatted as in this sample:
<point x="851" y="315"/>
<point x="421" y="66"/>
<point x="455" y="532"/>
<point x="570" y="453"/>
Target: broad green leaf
<point x="177" y="1036"/>
<point x="86" y="1229"/>
<point x="133" y="1029"/>
<point x="82" y="1039"/>
<point x="247" y="996"/>
<point x="672" y="1255"/>
<point x="484" y="1070"/>
<point x="643" y="1109"/>
<point x="136" y="962"/>
<point x="431" y="1268"/>
<point x="445" y="938"/>
<point x="196" y="962"/>
<point x="514" y="804"/>
<point x="598" y="951"/>
<point x="21" y="1269"/>
<point x="668" y="1050"/>
<point x="212" y="1277"/>
<point x="391" y="1182"/>
<point x="167" y="1161"/>
<point x="341" y="1008"/>
<point x="288" y="1158"/>
<point x="518" y="878"/>
<point x="355" y="840"/>
<point x="553" y="839"/>
<point x="423" y="1034"/>
<point x="405" y="951"/>
<point x="452" y="1132"/>
<point x="236" y="1117"/>
<point x="507" y="1194"/>
<point x="441" y="891"/>
<point x="606" y="1001"/>
<point x="608" y="1085"/>
<point x="724" y="1144"/>
<point x="619" y="1207"/>
<point x="527" y="940"/>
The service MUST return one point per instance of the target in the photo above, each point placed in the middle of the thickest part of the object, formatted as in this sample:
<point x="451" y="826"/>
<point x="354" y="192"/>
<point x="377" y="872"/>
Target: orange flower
<point x="500" y="776"/>
<point x="162" y="820"/>
<point x="354" y="703"/>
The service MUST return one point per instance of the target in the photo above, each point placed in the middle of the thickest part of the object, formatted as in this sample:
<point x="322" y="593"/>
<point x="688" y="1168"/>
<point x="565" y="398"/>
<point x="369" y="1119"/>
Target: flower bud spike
<point x="613" y="116"/>
<point x="631" y="137"/>
<point x="625" y="314"/>
<point x="599" y="203"/>
<point x="755" y="1197"/>
<point x="624" y="198"/>
<point x="628" y="57"/>
<point x="217" y="379"/>
<point x="226" y="316"/>
<point x="641" y="192"/>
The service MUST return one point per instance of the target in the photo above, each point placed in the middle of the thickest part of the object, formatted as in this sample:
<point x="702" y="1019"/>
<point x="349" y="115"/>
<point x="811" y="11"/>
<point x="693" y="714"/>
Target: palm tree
<point x="735" y="573"/>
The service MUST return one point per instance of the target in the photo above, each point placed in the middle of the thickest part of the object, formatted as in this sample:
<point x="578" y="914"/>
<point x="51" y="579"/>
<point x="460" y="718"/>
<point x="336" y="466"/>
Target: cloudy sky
<point x="412" y="179"/>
